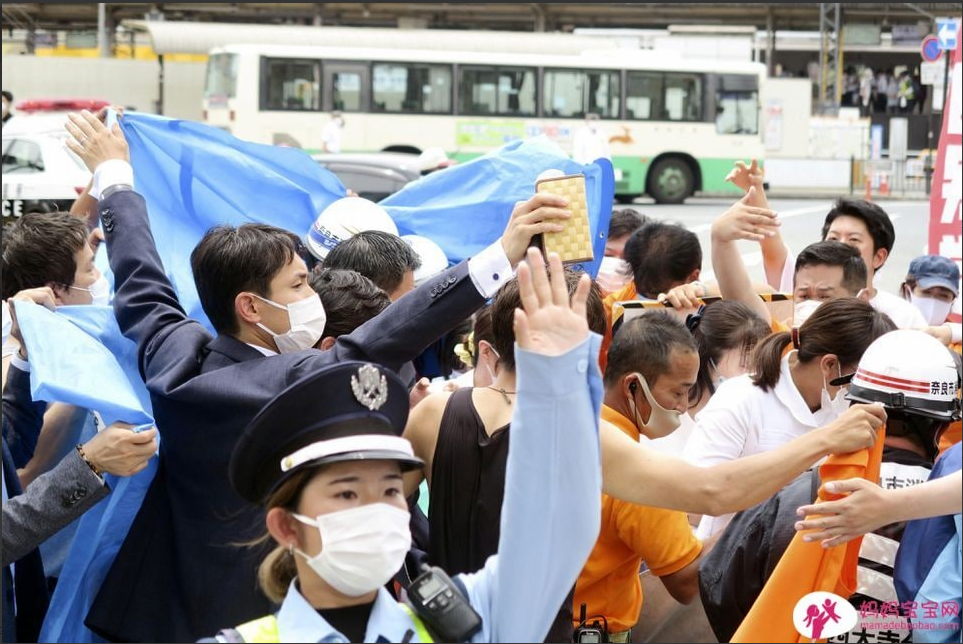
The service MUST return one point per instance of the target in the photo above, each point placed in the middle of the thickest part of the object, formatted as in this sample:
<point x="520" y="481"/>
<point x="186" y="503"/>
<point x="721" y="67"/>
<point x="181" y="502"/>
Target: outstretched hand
<point x="744" y="177"/>
<point x="835" y="522"/>
<point x="745" y="221"/>
<point x="548" y="323"/>
<point x="93" y="142"/>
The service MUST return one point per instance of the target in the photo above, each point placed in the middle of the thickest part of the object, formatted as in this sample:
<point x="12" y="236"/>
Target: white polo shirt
<point x="741" y="419"/>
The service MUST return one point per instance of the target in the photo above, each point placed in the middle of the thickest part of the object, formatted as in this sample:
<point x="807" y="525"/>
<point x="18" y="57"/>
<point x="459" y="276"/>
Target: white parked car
<point x="39" y="173"/>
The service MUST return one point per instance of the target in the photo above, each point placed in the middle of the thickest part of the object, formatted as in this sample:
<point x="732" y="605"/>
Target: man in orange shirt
<point x="652" y="364"/>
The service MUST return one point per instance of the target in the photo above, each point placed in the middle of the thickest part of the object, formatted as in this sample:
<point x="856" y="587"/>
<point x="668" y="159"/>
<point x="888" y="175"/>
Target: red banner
<point x="946" y="226"/>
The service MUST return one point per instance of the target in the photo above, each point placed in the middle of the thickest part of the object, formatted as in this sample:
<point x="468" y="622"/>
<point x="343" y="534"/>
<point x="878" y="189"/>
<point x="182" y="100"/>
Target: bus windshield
<point x="221" y="77"/>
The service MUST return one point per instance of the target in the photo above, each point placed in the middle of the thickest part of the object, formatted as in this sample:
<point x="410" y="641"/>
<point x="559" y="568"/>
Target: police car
<point x="39" y="173"/>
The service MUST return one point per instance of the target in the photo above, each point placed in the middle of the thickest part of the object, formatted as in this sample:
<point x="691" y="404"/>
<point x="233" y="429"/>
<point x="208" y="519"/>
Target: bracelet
<point x="80" y="450"/>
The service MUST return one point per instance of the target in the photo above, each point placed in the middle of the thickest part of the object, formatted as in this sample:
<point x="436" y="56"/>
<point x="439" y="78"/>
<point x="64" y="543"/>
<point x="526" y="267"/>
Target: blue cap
<point x="935" y="270"/>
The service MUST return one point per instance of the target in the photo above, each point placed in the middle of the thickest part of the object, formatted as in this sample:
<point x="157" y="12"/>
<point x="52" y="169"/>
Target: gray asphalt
<point x="801" y="224"/>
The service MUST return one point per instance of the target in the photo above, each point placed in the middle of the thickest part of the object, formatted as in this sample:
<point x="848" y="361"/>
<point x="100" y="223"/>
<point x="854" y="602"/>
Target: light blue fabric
<point x="194" y="177"/>
<point x="465" y="208"/>
<point x="550" y="519"/>
<point x="79" y="356"/>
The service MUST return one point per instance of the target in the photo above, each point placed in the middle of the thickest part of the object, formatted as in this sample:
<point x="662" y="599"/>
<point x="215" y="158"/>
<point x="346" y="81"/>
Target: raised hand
<point x="120" y="451"/>
<point x="684" y="296"/>
<point x="540" y="214"/>
<point x="745" y="221"/>
<point x="856" y="428"/>
<point x="744" y="177"/>
<point x="549" y="324"/>
<point x="836" y="522"/>
<point x="93" y="142"/>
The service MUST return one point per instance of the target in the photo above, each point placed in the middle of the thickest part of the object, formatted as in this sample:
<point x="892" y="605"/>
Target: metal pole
<point x="770" y="43"/>
<point x="928" y="161"/>
<point x="160" y="84"/>
<point x="102" y="42"/>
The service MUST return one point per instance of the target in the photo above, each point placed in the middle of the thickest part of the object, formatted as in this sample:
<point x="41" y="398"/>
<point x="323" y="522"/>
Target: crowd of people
<point x="313" y="484"/>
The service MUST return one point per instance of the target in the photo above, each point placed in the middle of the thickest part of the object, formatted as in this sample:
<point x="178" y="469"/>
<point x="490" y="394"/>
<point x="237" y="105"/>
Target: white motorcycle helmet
<point x="433" y="258"/>
<point x="343" y="219"/>
<point x="915" y="377"/>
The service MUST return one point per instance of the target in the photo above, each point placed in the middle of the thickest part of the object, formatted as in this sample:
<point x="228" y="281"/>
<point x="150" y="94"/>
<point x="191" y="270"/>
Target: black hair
<point x="350" y="299"/>
<point x="508" y="299"/>
<point x="661" y="255"/>
<point x="645" y="344"/>
<point x="230" y="260"/>
<point x="625" y="222"/>
<point x="40" y="249"/>
<point x="845" y="327"/>
<point x="834" y="253"/>
<point x="877" y="221"/>
<point x="726" y="325"/>
<point x="381" y="257"/>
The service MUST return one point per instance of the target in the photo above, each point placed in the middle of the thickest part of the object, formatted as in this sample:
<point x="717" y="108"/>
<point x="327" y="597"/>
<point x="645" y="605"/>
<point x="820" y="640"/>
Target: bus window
<point x="570" y="93"/>
<point x="346" y="91"/>
<point x="683" y="97"/>
<point x="737" y="112"/>
<point x="503" y="91"/>
<point x="643" y="95"/>
<point x="291" y="84"/>
<point x="221" y="81"/>
<point x="411" y="87"/>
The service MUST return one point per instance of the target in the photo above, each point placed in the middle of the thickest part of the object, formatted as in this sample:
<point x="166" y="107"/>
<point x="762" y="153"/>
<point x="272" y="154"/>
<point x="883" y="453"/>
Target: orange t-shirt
<point x="627" y="293"/>
<point x="609" y="583"/>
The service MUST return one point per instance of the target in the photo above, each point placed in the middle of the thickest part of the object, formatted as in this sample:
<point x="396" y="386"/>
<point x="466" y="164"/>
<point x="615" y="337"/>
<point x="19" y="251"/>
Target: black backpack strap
<point x="814" y="485"/>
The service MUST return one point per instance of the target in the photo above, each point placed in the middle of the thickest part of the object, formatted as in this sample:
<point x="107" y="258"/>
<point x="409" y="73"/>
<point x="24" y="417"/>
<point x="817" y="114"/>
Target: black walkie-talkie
<point x="439" y="602"/>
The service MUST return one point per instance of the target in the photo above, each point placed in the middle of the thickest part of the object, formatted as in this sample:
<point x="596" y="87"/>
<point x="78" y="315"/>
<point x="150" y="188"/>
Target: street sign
<point x="930" y="49"/>
<point x="931" y="73"/>
<point x="946" y="30"/>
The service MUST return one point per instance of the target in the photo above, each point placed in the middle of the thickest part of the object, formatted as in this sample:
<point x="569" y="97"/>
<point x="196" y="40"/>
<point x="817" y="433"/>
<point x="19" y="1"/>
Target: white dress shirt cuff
<point x="489" y="269"/>
<point x="956" y="332"/>
<point x="20" y="363"/>
<point x="111" y="173"/>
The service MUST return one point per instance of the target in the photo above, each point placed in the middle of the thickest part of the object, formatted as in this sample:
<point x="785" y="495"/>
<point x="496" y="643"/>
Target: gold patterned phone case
<point x="574" y="244"/>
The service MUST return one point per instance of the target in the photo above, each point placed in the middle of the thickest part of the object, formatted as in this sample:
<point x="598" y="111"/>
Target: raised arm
<point x="145" y="302"/>
<point x="868" y="506"/>
<point x="639" y="475"/>
<point x="741" y="221"/>
<point x="552" y="508"/>
<point x="774" y="250"/>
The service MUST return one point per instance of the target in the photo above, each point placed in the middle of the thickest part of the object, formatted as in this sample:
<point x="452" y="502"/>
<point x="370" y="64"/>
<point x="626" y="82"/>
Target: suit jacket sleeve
<point x="407" y="327"/>
<point x="145" y="302"/>
<point x="48" y="504"/>
<point x="22" y="416"/>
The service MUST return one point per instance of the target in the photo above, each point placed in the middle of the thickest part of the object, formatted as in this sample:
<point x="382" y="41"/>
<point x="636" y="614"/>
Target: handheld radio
<point x="440" y="603"/>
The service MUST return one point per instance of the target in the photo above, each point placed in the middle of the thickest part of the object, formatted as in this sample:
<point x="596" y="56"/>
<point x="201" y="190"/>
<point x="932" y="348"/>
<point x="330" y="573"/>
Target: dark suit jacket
<point x="180" y="574"/>
<point x="22" y="421"/>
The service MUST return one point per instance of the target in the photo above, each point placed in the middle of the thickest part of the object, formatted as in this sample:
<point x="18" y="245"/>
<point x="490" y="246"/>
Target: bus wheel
<point x="670" y="181"/>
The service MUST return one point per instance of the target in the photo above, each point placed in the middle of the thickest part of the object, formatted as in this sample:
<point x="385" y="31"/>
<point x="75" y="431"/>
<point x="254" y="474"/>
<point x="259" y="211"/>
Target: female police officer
<point x="326" y="457"/>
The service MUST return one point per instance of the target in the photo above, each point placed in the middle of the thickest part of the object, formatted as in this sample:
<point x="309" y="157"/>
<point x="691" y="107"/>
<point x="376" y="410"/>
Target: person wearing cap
<point x="917" y="381"/>
<point x="331" y="479"/>
<point x="205" y="389"/>
<point x="932" y="285"/>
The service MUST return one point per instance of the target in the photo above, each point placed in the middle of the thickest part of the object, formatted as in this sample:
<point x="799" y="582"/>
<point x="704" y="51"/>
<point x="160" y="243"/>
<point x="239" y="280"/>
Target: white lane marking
<point x="785" y="214"/>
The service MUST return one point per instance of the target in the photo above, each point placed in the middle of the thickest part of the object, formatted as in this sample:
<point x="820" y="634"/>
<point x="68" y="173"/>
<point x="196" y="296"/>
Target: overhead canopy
<point x="200" y="38"/>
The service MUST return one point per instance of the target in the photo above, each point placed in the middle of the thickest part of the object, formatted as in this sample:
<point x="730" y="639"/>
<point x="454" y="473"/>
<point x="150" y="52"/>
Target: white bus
<point x="675" y="126"/>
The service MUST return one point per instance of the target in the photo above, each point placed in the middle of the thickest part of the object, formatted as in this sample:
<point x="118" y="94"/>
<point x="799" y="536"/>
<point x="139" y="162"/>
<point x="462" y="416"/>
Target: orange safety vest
<point x="808" y="567"/>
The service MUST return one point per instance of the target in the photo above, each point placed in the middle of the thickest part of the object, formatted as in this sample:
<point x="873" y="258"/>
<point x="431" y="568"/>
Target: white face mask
<point x="491" y="372"/>
<point x="307" y="318"/>
<point x="99" y="291"/>
<point x="362" y="548"/>
<point x="719" y="379"/>
<point x="7" y="321"/>
<point x="614" y="274"/>
<point x="662" y="421"/>
<point x="801" y="311"/>
<point x="934" y="310"/>
<point x="832" y="408"/>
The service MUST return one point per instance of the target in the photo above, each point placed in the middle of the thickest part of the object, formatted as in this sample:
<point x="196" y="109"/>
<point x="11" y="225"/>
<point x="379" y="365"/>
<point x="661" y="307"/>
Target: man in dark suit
<point x="180" y="573"/>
